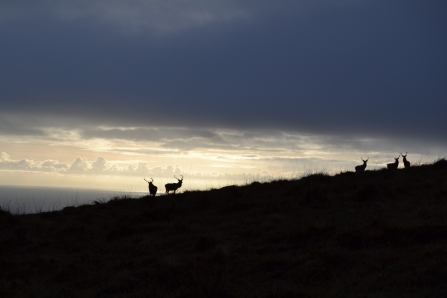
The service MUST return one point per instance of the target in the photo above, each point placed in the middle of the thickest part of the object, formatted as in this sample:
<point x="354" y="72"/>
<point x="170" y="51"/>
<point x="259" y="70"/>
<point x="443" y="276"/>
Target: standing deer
<point x="394" y="165"/>
<point x="174" y="186"/>
<point x="152" y="187"/>
<point x="406" y="162"/>
<point x="362" y="167"/>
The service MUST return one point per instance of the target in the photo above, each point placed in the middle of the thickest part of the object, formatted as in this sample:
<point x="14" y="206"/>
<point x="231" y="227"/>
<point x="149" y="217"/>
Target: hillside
<point x="374" y="234"/>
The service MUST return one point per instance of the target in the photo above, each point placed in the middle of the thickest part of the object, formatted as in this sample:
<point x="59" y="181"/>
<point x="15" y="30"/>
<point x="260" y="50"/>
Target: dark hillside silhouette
<point x="379" y="234"/>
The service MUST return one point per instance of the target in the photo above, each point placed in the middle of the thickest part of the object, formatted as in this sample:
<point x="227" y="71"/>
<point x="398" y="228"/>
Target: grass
<point x="374" y="234"/>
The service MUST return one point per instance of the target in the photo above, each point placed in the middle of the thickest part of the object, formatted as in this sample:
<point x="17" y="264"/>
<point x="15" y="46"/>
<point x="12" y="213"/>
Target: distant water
<point x="21" y="200"/>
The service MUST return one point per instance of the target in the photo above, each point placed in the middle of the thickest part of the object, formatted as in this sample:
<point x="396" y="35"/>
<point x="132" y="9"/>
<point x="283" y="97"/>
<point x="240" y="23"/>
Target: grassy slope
<point x="374" y="234"/>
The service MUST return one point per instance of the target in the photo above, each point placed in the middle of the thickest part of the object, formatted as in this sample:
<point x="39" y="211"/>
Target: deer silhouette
<point x="152" y="187"/>
<point x="406" y="162"/>
<point x="174" y="186"/>
<point x="362" y="167"/>
<point x="394" y="165"/>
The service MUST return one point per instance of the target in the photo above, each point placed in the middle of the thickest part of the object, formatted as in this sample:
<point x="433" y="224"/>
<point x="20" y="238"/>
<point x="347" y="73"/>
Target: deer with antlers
<point x="174" y="186"/>
<point x="152" y="187"/>
<point x="394" y="165"/>
<point x="406" y="162"/>
<point x="362" y="167"/>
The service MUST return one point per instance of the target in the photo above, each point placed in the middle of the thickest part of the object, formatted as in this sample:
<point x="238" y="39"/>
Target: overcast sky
<point x="212" y="87"/>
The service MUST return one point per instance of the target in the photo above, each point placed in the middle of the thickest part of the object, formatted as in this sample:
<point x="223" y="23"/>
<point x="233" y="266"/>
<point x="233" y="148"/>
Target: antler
<point x="365" y="160"/>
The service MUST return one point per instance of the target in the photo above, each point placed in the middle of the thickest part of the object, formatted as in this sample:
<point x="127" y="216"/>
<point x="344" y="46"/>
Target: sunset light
<point x="221" y="93"/>
<point x="223" y="148"/>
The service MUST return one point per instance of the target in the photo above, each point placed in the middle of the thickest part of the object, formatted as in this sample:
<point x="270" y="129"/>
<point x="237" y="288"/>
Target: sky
<point x="100" y="94"/>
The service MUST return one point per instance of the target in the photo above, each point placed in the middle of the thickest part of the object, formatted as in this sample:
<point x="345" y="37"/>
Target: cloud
<point x="357" y="76"/>
<point x="139" y="170"/>
<point x="7" y="164"/>
<point x="155" y="16"/>
<point x="160" y="17"/>
<point x="146" y="134"/>
<point x="53" y="165"/>
<point x="80" y="165"/>
<point x="16" y="125"/>
<point x="99" y="165"/>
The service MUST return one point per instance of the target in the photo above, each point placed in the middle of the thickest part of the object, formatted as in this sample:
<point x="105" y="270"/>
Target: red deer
<point x="394" y="165"/>
<point x="152" y="187"/>
<point x="362" y="167"/>
<point x="406" y="162"/>
<point x="174" y="186"/>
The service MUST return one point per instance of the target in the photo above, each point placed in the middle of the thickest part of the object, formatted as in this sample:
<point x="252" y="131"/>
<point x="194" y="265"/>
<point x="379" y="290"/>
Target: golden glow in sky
<point x="206" y="158"/>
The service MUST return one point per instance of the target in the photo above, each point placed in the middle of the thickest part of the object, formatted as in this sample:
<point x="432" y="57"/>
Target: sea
<point x="31" y="199"/>
<point x="37" y="199"/>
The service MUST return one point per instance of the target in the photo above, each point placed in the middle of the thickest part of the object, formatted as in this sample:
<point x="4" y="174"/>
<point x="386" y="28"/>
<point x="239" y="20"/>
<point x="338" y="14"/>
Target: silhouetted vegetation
<point x="376" y="234"/>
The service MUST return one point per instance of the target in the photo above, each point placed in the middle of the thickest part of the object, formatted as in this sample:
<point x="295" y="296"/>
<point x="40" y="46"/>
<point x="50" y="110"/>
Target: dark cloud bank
<point x="359" y="68"/>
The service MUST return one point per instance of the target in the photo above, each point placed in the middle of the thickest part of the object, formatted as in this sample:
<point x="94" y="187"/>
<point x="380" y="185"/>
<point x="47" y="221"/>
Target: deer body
<point x="362" y="167"/>
<point x="394" y="165"/>
<point x="152" y="187"/>
<point x="174" y="186"/>
<point x="406" y="162"/>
